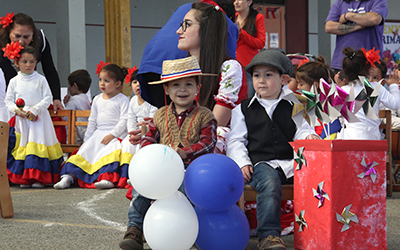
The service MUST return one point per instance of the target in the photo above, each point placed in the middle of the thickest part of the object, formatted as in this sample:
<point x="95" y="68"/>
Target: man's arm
<point x="337" y="28"/>
<point x="364" y="19"/>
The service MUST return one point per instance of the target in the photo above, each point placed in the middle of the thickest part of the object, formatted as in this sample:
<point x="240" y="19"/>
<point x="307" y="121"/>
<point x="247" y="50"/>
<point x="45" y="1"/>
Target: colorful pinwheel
<point x="346" y="218"/>
<point x="368" y="170"/>
<point x="320" y="194"/>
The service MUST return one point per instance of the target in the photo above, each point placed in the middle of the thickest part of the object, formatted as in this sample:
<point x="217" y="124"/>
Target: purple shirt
<point x="366" y="38"/>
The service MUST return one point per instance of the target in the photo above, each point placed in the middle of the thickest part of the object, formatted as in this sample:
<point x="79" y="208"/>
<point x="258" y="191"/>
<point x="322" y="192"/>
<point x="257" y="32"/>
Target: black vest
<point x="269" y="140"/>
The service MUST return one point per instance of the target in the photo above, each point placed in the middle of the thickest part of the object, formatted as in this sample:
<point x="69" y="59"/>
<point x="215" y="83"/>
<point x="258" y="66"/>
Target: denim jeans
<point x="139" y="207"/>
<point x="267" y="182"/>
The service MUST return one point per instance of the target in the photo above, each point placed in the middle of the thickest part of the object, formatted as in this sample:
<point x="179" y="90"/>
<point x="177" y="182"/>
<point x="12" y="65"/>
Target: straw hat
<point x="180" y="68"/>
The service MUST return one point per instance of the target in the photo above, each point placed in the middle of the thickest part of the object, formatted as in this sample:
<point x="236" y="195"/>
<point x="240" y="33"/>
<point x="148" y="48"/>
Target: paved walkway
<point x="96" y="219"/>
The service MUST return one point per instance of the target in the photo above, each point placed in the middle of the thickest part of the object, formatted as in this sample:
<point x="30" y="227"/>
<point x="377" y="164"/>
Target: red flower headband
<point x="129" y="75"/>
<point x="372" y="56"/>
<point x="304" y="61"/>
<point x="12" y="50"/>
<point x="6" y="20"/>
<point x="100" y="67"/>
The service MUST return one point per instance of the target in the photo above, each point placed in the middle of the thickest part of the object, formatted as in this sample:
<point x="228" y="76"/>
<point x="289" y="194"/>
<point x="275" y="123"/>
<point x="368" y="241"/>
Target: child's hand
<point x="135" y="136"/>
<point x="313" y="137"/>
<point x="107" y="139"/>
<point x="393" y="78"/>
<point x="247" y="171"/>
<point x="146" y="121"/>
<point x="30" y="116"/>
<point x="180" y="152"/>
<point x="66" y="99"/>
<point x="20" y="113"/>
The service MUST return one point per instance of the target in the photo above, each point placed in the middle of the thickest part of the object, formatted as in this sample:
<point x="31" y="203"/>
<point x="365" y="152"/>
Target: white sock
<point x="104" y="184"/>
<point x="66" y="181"/>
<point x="25" y="186"/>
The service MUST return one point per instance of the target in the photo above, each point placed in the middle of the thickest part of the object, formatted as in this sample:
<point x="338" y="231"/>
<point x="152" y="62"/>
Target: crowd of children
<point x="261" y="126"/>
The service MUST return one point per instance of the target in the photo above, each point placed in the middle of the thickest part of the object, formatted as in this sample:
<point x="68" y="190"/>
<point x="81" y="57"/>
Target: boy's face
<point x="268" y="82"/>
<point x="182" y="92"/>
<point x="73" y="89"/>
<point x="26" y="63"/>
<point x="135" y="87"/>
<point x="374" y="75"/>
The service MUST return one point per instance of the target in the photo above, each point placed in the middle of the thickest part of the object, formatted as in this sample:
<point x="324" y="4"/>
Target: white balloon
<point x="171" y="224"/>
<point x="156" y="171"/>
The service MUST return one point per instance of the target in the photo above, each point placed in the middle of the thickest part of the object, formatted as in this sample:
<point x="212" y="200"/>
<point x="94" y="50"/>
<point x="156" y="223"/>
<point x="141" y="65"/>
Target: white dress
<point x="135" y="115"/>
<point x="95" y="161"/>
<point x="4" y="114"/>
<point x="36" y="154"/>
<point x="79" y="102"/>
<point x="368" y="129"/>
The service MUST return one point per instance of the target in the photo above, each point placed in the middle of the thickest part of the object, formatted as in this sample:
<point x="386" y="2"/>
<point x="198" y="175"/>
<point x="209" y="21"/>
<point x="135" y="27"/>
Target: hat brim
<point x="180" y="77"/>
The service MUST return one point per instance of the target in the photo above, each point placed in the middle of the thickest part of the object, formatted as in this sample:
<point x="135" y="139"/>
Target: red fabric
<point x="113" y="177"/>
<point x="61" y="131"/>
<point x="287" y="214"/>
<point x="248" y="45"/>
<point x="11" y="122"/>
<point x="31" y="176"/>
<point x="129" y="193"/>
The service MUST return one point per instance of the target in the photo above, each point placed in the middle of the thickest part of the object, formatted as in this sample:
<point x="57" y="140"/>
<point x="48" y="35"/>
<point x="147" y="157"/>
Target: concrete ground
<point x="96" y="219"/>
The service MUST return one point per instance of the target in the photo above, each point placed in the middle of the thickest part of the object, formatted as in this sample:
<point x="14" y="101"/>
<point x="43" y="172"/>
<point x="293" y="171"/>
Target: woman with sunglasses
<point x="203" y="34"/>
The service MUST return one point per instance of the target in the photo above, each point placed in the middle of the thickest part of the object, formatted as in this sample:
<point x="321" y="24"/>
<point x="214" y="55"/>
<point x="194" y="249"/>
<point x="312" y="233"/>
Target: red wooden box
<point x="338" y="163"/>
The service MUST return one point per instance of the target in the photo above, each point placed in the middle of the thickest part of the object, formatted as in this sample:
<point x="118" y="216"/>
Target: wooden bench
<point x="71" y="124"/>
<point x="387" y="114"/>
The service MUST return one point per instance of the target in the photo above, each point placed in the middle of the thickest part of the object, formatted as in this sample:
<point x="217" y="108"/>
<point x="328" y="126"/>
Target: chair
<point x="6" y="206"/>
<point x="387" y="114"/>
<point x="249" y="194"/>
<point x="66" y="121"/>
<point x="72" y="145"/>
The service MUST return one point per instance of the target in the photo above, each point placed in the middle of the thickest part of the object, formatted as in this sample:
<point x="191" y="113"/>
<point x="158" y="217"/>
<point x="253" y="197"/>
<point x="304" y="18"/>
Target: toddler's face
<point x="267" y="82"/>
<point x="135" y="84"/>
<point x="375" y="75"/>
<point x="26" y="63"/>
<point x="301" y="84"/>
<point x="293" y="84"/>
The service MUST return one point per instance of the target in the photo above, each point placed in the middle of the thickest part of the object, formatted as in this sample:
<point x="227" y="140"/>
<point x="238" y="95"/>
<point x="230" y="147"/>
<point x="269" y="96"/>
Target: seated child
<point x="96" y="164"/>
<point x="261" y="129"/>
<point x="308" y="75"/>
<point x="138" y="110"/>
<point x="183" y="125"/>
<point x="36" y="154"/>
<point x="78" y="85"/>
<point x="355" y="64"/>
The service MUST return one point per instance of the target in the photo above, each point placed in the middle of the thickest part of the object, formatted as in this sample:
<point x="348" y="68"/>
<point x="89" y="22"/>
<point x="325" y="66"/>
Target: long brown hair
<point x="25" y="20"/>
<point x="213" y="35"/>
<point x="313" y="71"/>
<point x="250" y="25"/>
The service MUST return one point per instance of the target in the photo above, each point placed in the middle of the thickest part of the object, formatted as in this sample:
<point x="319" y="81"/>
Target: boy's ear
<point x="165" y="85"/>
<point x="285" y="79"/>
<point x="75" y="85"/>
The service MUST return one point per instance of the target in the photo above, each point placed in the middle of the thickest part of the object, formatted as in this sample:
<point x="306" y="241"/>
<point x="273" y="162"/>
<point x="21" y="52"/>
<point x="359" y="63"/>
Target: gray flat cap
<point x="271" y="58"/>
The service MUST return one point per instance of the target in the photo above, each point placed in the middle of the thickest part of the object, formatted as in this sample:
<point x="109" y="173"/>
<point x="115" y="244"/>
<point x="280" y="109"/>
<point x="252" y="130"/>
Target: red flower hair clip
<point x="304" y="61"/>
<point x="372" y="56"/>
<point x="6" y="20"/>
<point x="100" y="67"/>
<point x="129" y="75"/>
<point x="12" y="50"/>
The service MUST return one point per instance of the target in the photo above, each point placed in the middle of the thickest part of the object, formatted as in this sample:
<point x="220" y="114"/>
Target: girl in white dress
<point x="97" y="162"/>
<point x="3" y="108"/>
<point x="139" y="109"/>
<point x="35" y="154"/>
<point x="358" y="63"/>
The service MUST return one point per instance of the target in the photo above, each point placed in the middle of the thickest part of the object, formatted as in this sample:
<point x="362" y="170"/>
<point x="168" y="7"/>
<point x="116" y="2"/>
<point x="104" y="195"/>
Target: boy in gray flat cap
<point x="261" y="129"/>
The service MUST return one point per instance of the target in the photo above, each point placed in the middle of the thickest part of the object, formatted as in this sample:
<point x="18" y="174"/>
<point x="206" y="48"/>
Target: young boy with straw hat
<point x="183" y="125"/>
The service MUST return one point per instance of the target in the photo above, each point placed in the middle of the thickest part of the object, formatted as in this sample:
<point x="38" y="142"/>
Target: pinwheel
<point x="320" y="194"/>
<point x="346" y="218"/>
<point x="368" y="170"/>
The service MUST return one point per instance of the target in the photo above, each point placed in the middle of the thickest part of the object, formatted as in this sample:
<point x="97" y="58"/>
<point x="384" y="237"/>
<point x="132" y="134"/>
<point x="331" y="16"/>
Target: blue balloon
<point x="228" y="229"/>
<point x="214" y="182"/>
